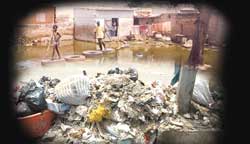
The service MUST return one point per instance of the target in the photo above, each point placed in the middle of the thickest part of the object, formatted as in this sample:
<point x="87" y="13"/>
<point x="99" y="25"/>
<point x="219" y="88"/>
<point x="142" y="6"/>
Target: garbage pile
<point x="29" y="99"/>
<point x="119" y="108"/>
<point x="53" y="104"/>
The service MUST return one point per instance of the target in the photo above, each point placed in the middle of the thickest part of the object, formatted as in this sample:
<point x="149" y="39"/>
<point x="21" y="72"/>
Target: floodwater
<point x="154" y="60"/>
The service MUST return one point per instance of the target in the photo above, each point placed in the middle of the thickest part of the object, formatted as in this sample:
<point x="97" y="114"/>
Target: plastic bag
<point x="58" y="108"/>
<point x="43" y="80"/>
<point x="23" y="109"/>
<point x="130" y="71"/>
<point x="133" y="74"/>
<point x="54" y="82"/>
<point x="115" y="70"/>
<point x="201" y="93"/>
<point x="73" y="90"/>
<point x="35" y="99"/>
<point x="30" y="86"/>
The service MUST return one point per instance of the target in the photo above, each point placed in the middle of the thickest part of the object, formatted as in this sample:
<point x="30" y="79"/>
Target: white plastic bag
<point x="73" y="90"/>
<point x="58" y="108"/>
<point x="201" y="92"/>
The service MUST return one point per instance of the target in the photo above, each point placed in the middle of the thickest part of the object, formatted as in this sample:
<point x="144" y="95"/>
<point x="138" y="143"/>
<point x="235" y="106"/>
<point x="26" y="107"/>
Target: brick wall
<point x="179" y="23"/>
<point x="42" y="16"/>
<point x="31" y="29"/>
<point x="184" y="24"/>
<point x="217" y="29"/>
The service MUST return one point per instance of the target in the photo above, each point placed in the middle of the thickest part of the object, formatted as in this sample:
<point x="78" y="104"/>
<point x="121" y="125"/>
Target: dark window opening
<point x="136" y="21"/>
<point x="114" y="27"/>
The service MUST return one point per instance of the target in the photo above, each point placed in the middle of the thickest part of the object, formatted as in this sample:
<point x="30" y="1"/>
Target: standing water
<point x="154" y="60"/>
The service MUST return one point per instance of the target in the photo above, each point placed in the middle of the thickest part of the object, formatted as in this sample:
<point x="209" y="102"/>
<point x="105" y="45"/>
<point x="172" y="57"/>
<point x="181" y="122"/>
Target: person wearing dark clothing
<point x="177" y="68"/>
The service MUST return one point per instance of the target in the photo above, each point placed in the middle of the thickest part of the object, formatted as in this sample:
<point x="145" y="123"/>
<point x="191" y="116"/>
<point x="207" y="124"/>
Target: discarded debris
<point x="187" y="115"/>
<point x="119" y="109"/>
<point x="81" y="110"/>
<point x="30" y="99"/>
<point x="58" y="108"/>
<point x="73" y="90"/>
<point x="23" y="109"/>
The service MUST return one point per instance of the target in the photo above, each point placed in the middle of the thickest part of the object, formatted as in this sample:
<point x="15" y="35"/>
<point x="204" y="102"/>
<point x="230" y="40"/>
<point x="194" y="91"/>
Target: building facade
<point x="85" y="22"/>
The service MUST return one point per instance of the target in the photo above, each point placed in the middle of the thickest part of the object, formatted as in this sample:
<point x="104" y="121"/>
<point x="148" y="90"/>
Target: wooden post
<point x="185" y="88"/>
<point x="188" y="72"/>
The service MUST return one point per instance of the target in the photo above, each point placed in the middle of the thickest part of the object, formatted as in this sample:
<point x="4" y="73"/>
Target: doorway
<point x="114" y="27"/>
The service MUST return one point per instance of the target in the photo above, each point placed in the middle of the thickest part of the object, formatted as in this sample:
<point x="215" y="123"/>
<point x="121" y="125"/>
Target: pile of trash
<point x="117" y="107"/>
<point x="34" y="97"/>
<point x="29" y="99"/>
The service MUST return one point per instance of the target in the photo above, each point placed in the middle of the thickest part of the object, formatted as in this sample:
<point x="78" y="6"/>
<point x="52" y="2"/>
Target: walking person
<point x="99" y="34"/>
<point x="55" y="40"/>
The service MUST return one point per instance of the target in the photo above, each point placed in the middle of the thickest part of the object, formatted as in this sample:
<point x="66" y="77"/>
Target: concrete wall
<point x="84" y="24"/>
<point x="85" y="21"/>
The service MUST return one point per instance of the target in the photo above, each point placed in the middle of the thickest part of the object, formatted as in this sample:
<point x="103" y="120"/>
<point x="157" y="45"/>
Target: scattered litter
<point x="117" y="108"/>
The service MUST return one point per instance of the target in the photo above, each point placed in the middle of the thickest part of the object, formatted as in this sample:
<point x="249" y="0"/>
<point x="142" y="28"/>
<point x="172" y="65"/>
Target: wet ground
<point x="154" y="60"/>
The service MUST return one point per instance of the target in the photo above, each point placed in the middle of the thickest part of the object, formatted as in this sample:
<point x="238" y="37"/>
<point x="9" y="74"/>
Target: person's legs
<point x="176" y="74"/>
<point x="57" y="51"/>
<point x="53" y="53"/>
<point x="104" y="46"/>
<point x="100" y="43"/>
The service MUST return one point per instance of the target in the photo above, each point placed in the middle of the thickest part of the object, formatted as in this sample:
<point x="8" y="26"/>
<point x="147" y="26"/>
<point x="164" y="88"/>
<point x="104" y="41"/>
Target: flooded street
<point x="154" y="60"/>
<point x="157" y="73"/>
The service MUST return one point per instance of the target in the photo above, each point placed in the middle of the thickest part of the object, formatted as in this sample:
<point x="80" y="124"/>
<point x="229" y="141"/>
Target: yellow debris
<point x="96" y="115"/>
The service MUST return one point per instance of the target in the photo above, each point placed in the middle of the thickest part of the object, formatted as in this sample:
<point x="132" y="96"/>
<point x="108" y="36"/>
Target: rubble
<point x="122" y="110"/>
